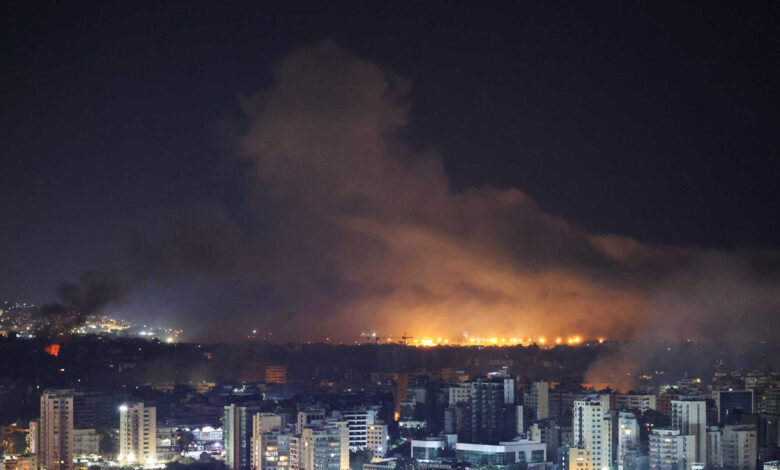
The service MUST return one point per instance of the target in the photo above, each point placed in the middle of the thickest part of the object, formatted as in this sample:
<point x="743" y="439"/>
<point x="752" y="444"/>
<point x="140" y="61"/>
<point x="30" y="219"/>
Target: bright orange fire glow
<point x="53" y="349"/>
<point x="437" y="340"/>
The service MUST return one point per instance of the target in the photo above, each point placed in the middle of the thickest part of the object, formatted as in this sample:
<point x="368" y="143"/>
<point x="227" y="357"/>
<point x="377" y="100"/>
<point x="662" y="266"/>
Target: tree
<point x="107" y="444"/>
<point x="358" y="458"/>
<point x="183" y="440"/>
<point x="13" y="443"/>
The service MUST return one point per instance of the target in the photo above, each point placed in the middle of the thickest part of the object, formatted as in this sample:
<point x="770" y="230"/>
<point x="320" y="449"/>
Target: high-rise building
<point x="538" y="400"/>
<point x="56" y="430"/>
<point x="671" y="450"/>
<point x="460" y="393"/>
<point x="627" y="436"/>
<point x="358" y="422"/>
<point x="551" y="434"/>
<point x="770" y="401"/>
<point x="271" y="451"/>
<point x="137" y="433"/>
<point x="732" y="403"/>
<point x="492" y="418"/>
<point x="96" y="410"/>
<point x="592" y="431"/>
<point x="376" y="439"/>
<point x="739" y="447"/>
<point x="664" y="402"/>
<point x="714" y="447"/>
<point x="310" y="417"/>
<point x="34" y="437"/>
<point x="324" y="447"/>
<point x="85" y="442"/>
<point x="237" y="433"/>
<point x="519" y="419"/>
<point x="457" y="420"/>
<point x="562" y="400"/>
<point x="266" y="422"/>
<point x="639" y="402"/>
<point x="690" y="417"/>
<point x="264" y="450"/>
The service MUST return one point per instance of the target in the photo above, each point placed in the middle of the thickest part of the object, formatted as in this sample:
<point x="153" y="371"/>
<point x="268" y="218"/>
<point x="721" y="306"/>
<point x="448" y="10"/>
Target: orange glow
<point x="396" y="416"/>
<point x="440" y="340"/>
<point x="53" y="349"/>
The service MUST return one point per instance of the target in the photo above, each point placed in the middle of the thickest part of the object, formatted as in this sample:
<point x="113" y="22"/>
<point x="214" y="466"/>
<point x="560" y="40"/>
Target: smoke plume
<point x="346" y="228"/>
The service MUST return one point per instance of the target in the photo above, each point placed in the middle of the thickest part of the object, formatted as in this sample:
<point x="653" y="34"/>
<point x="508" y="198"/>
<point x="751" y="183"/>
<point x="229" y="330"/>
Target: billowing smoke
<point x="347" y="228"/>
<point x="77" y="300"/>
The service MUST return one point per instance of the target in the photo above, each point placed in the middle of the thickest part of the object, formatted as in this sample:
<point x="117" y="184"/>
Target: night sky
<point x="551" y="167"/>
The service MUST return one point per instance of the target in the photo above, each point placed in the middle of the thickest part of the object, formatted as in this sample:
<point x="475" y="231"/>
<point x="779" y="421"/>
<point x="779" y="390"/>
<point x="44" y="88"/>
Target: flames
<point x="53" y="349"/>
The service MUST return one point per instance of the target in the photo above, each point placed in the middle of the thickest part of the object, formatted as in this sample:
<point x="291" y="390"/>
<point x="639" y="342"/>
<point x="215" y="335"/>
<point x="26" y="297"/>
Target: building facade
<point x="690" y="418"/>
<point x="739" y="447"/>
<point x="592" y="430"/>
<point x="137" y="434"/>
<point x="56" y="430"/>
<point x="671" y="450"/>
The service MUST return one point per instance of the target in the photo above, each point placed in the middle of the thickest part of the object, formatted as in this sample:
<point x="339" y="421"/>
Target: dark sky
<point x="653" y="120"/>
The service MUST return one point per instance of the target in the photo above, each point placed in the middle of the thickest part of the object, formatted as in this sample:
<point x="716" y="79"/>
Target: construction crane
<point x="404" y="338"/>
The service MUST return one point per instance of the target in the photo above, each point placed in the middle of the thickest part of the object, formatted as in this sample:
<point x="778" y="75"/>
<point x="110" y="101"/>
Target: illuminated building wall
<point x="592" y="430"/>
<point x="690" y="417"/>
<point x="137" y="434"/>
<point x="56" y="430"/>
<point x="671" y="450"/>
<point x="376" y="439"/>
<point x="739" y="447"/>
<point x="237" y="434"/>
<point x="628" y="436"/>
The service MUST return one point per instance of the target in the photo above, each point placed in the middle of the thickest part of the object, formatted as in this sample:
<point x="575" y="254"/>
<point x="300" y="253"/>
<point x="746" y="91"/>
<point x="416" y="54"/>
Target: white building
<point x="634" y="401"/>
<point x="519" y="420"/>
<point x="271" y="451"/>
<point x="460" y="393"/>
<point x="324" y="447"/>
<point x="714" y="447"/>
<point x="671" y="450"/>
<point x="505" y="453"/>
<point x="85" y="442"/>
<point x="358" y="422"/>
<point x="376" y="439"/>
<point x="628" y="435"/>
<point x="263" y="423"/>
<point x="35" y="436"/>
<point x="538" y="399"/>
<point x="56" y="430"/>
<point x="690" y="417"/>
<point x="592" y="430"/>
<point x="310" y="417"/>
<point x="137" y="434"/>
<point x="739" y="447"/>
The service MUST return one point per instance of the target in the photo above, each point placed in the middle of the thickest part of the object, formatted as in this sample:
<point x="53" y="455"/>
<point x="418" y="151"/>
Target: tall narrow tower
<point x="137" y="434"/>
<point x="56" y="430"/>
